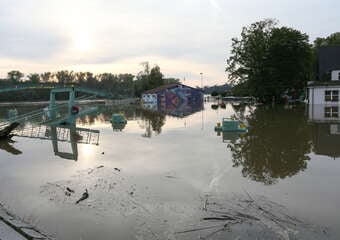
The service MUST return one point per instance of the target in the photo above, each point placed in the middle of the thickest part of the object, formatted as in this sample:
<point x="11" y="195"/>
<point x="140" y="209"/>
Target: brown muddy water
<point x="172" y="177"/>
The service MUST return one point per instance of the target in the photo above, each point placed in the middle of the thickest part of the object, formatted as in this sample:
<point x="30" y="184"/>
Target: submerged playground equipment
<point x="230" y="129"/>
<point x="230" y="125"/>
<point x="118" y="121"/>
<point x="57" y="122"/>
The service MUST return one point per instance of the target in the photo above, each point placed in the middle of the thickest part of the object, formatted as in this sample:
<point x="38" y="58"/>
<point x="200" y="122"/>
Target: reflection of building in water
<point x="180" y="110"/>
<point x="152" y="121"/>
<point x="229" y="136"/>
<point x="118" y="126"/>
<point x="175" y="99"/>
<point x="326" y="139"/>
<point x="326" y="129"/>
<point x="155" y="114"/>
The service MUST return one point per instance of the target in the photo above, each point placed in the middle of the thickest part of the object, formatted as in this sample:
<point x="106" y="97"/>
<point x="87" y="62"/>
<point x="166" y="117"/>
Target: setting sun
<point x="81" y="41"/>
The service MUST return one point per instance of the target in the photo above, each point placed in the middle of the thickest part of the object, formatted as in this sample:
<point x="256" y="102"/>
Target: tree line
<point x="120" y="85"/>
<point x="268" y="61"/>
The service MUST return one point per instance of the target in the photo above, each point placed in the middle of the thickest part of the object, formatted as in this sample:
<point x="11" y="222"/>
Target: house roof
<point x="329" y="59"/>
<point x="161" y="88"/>
<point x="323" y="84"/>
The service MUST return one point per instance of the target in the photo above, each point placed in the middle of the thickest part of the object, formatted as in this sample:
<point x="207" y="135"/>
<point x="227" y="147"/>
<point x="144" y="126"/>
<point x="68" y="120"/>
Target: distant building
<point x="323" y="95"/>
<point x="173" y="95"/>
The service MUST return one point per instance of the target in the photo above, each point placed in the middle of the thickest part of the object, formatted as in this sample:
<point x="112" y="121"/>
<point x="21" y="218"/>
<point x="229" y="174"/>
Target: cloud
<point x="186" y="36"/>
<point x="35" y="44"/>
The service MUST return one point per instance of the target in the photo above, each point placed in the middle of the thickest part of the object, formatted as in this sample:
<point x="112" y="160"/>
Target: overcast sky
<point x="184" y="37"/>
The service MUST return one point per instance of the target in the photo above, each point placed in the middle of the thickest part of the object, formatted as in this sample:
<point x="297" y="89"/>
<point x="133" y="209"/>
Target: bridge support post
<point x="52" y="106"/>
<point x="72" y="96"/>
<point x="52" y="100"/>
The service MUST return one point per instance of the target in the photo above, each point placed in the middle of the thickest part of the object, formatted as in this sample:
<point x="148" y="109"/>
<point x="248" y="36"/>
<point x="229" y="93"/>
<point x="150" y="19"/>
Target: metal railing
<point x="38" y="113"/>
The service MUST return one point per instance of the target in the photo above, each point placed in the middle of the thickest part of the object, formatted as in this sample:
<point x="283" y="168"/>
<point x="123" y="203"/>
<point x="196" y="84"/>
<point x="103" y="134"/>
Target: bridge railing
<point x="38" y="113"/>
<point x="97" y="92"/>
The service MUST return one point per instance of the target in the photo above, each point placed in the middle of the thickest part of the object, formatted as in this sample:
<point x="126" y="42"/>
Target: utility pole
<point x="201" y="80"/>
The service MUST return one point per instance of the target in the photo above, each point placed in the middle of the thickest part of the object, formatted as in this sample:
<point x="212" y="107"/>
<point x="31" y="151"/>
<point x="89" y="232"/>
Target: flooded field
<point x="171" y="176"/>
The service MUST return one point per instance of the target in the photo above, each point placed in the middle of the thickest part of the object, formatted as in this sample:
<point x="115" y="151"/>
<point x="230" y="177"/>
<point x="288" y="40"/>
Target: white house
<point x="335" y="75"/>
<point x="323" y="113"/>
<point x="323" y="95"/>
<point x="326" y="94"/>
<point x="324" y="101"/>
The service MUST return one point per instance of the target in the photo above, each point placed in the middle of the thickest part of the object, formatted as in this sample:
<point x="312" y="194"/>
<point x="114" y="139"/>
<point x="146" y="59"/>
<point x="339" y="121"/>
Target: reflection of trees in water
<point x="91" y="119"/>
<point x="152" y="121"/>
<point x="6" y="145"/>
<point x="241" y="110"/>
<point x="275" y="146"/>
<point x="149" y="120"/>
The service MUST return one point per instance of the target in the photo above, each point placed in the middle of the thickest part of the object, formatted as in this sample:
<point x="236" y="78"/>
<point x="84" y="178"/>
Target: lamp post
<point x="201" y="80"/>
<point x="203" y="97"/>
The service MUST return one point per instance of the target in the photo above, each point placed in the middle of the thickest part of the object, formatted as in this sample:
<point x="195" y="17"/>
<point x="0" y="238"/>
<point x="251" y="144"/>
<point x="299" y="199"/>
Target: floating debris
<point x="169" y="176"/>
<point x="84" y="197"/>
<point x="69" y="190"/>
<point x="246" y="217"/>
<point x="213" y="216"/>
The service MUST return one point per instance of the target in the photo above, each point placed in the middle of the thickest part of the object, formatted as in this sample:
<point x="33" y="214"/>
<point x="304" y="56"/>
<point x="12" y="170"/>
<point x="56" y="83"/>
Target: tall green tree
<point x="65" y="77"/>
<point x="331" y="40"/>
<point x="91" y="79"/>
<point x="80" y="78"/>
<point x="34" y="78"/>
<point x="148" y="78"/>
<point x="289" y="60"/>
<point x="15" y="76"/>
<point x="46" y="76"/>
<point x="268" y="60"/>
<point x="155" y="77"/>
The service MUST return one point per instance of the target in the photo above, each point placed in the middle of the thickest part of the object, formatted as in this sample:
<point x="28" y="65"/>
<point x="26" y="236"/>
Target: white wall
<point x="336" y="75"/>
<point x="317" y="95"/>
<point x="316" y="113"/>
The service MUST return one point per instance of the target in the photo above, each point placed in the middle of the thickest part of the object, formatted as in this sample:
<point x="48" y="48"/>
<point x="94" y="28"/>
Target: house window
<point x="331" y="112"/>
<point x="331" y="95"/>
<point x="339" y="76"/>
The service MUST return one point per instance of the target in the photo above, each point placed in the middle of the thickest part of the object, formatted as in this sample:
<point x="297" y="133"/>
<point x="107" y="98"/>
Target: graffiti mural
<point x="178" y="100"/>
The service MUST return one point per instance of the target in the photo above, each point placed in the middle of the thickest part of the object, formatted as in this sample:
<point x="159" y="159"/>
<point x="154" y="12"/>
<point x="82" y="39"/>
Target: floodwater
<point x="163" y="176"/>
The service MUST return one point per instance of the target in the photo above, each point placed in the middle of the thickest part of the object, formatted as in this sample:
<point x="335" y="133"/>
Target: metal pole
<point x="201" y="80"/>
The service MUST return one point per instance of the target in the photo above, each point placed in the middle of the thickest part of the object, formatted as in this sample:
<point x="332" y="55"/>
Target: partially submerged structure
<point x="172" y="94"/>
<point x="323" y="94"/>
<point x="324" y="103"/>
<point x="175" y="99"/>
